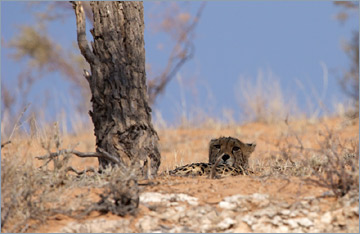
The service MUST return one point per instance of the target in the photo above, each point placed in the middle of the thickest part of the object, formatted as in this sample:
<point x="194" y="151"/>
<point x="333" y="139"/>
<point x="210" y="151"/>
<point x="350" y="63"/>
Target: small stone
<point x="249" y="220"/>
<point x="169" y="199"/>
<point x="283" y="229"/>
<point x="294" y="213"/>
<point x="355" y="210"/>
<point x="151" y="197"/>
<point x="305" y="204"/>
<point x="315" y="208"/>
<point x="226" y="223"/>
<point x="180" y="208"/>
<point x="260" y="200"/>
<point x="305" y="222"/>
<point x="285" y="212"/>
<point x="269" y="212"/>
<point x="205" y="227"/>
<point x="326" y="218"/>
<point x="259" y="196"/>
<point x="147" y="224"/>
<point x="304" y="211"/>
<point x="242" y="228"/>
<point x="292" y="223"/>
<point x="97" y="226"/>
<point x="276" y="220"/>
<point x="352" y="211"/>
<point x="176" y="229"/>
<point x="263" y="226"/>
<point x="186" y="198"/>
<point x="227" y="205"/>
<point x="340" y="220"/>
<point x="313" y="215"/>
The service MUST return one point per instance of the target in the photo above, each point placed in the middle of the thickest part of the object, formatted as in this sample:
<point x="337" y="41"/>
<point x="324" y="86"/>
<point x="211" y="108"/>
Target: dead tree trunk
<point x="120" y="109"/>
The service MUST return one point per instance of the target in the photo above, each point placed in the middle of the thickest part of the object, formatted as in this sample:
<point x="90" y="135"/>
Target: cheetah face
<point x="231" y="151"/>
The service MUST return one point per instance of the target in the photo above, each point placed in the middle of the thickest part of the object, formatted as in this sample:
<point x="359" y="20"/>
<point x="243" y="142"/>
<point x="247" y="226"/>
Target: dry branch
<point x="81" y="33"/>
<point x="177" y="59"/>
<point x="101" y="154"/>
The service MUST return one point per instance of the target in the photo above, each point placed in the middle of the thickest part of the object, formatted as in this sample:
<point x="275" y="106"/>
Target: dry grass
<point x="32" y="193"/>
<point x="338" y="169"/>
<point x="263" y="101"/>
<point x="324" y="154"/>
<point x="332" y="162"/>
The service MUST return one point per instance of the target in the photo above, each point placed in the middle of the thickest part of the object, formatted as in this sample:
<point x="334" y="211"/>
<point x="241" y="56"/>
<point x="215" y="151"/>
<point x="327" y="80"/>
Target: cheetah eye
<point x="217" y="146"/>
<point x="236" y="148"/>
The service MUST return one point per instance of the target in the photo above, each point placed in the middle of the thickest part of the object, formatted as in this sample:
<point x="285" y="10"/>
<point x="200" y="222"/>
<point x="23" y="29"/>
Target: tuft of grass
<point x="264" y="100"/>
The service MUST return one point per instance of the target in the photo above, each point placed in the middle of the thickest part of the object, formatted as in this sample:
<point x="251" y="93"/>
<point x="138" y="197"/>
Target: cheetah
<point x="228" y="156"/>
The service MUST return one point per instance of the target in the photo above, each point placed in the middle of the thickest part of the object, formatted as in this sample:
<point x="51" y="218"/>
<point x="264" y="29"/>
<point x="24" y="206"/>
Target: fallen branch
<point x="101" y="154"/>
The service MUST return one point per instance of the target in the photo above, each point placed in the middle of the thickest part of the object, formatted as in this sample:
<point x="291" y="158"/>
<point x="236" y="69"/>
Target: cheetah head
<point x="231" y="151"/>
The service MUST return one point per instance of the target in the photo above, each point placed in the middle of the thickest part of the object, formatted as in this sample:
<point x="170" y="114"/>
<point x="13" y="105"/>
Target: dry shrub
<point x="31" y="195"/>
<point x="263" y="101"/>
<point x="332" y="162"/>
<point x="339" y="169"/>
<point x="120" y="195"/>
<point x="277" y="166"/>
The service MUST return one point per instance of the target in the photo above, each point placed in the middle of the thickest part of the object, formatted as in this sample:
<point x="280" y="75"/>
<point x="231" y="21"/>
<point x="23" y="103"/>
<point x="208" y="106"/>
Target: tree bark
<point x="120" y="109"/>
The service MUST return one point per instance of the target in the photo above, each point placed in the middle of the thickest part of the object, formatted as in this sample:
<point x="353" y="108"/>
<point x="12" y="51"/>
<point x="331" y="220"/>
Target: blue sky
<point x="233" y="39"/>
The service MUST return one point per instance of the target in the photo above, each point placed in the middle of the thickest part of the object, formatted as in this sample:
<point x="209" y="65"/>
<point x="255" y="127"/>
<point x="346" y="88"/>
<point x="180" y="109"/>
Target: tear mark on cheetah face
<point x="230" y="151"/>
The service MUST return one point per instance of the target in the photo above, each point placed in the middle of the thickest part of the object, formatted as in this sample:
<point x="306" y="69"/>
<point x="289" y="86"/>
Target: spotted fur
<point x="229" y="156"/>
<point x="204" y="169"/>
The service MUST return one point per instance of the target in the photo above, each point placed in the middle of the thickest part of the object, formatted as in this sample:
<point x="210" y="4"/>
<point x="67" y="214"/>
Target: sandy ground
<point x="186" y="145"/>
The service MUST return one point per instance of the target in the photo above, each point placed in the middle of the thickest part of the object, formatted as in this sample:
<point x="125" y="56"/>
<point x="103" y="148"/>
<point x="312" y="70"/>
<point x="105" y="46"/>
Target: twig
<point x="116" y="160"/>
<point x="69" y="151"/>
<point x="282" y="187"/>
<point x="103" y="154"/>
<point x="18" y="120"/>
<point x="213" y="169"/>
<point x="296" y="135"/>
<point x="157" y="85"/>
<point x="80" y="172"/>
<point x="5" y="143"/>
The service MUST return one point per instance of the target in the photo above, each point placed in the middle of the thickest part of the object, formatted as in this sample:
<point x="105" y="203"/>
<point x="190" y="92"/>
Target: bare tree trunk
<point x="121" y="114"/>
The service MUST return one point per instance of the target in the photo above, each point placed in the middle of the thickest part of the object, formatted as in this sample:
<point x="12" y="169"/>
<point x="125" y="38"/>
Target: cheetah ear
<point x="213" y="140"/>
<point x="251" y="146"/>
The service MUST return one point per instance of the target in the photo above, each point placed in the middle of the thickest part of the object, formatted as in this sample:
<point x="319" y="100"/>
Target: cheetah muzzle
<point x="228" y="156"/>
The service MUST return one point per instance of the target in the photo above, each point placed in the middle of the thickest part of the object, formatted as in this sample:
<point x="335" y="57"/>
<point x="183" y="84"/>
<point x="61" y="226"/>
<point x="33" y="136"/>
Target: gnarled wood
<point x="121" y="113"/>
